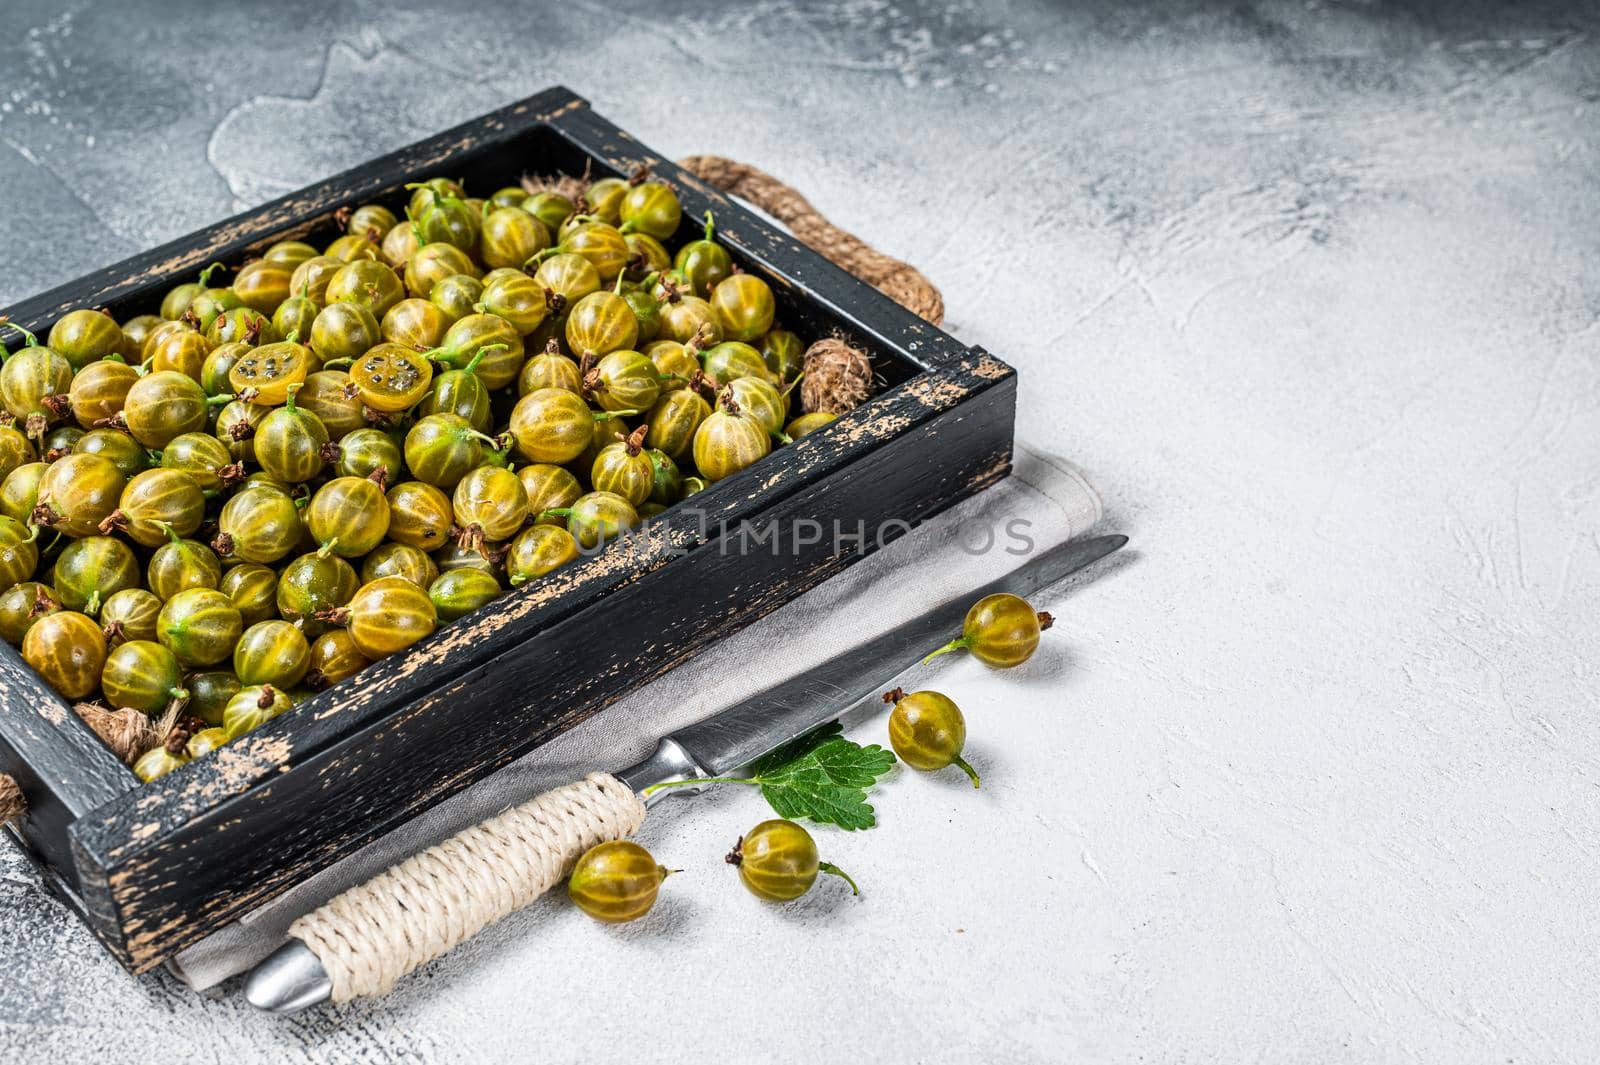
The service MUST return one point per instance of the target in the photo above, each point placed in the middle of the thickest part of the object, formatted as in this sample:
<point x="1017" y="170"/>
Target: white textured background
<point x="1310" y="288"/>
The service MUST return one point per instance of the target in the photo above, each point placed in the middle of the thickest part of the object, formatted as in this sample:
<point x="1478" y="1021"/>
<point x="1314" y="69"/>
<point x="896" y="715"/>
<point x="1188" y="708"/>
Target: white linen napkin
<point x="1046" y="501"/>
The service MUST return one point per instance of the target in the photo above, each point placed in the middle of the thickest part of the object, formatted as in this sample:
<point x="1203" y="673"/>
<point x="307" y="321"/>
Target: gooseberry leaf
<point x="823" y="777"/>
<point x="820" y="776"/>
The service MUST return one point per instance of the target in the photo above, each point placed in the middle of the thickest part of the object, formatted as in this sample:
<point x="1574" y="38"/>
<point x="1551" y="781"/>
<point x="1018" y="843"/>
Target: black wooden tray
<point x="152" y="868"/>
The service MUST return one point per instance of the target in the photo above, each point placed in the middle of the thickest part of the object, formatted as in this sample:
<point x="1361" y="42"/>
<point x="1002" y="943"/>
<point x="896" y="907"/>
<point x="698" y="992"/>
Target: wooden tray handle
<point x="900" y="281"/>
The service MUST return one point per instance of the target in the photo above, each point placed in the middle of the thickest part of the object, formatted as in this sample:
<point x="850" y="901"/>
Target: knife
<point x="294" y="977"/>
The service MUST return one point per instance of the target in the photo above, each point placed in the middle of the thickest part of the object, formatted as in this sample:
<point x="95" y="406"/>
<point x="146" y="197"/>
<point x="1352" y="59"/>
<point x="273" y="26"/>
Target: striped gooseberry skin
<point x="91" y="570"/>
<point x="510" y="237"/>
<point x="777" y="860"/>
<point x="241" y="325"/>
<point x="19" y="551"/>
<point x="415" y="323"/>
<point x="928" y="731"/>
<point x="181" y="351"/>
<point x="263" y="284"/>
<point x="372" y="284"/>
<point x="154" y="501"/>
<point x="440" y="449"/>
<point x="419" y="515"/>
<point x="548" y="488"/>
<point x="727" y="442"/>
<point x="616" y="881"/>
<point x="19" y="492"/>
<point x="650" y="207"/>
<point x="202" y="458"/>
<point x="68" y="650"/>
<point x="538" y="550"/>
<point x="126" y="454"/>
<point x="143" y="675"/>
<point x="549" y="369"/>
<point x="496" y="339"/>
<point x="310" y="279"/>
<point x="600" y="516"/>
<point x="294" y="318"/>
<point x="21" y="605"/>
<point x="624" y="380"/>
<point x="517" y="298"/>
<point x="323" y="395"/>
<point x="17" y="450"/>
<point x="491" y="500"/>
<point x="99" y="391"/>
<point x="676" y="363"/>
<point x="552" y="425"/>
<point x="344" y="331"/>
<point x="288" y="444"/>
<point x="600" y="323"/>
<point x="602" y="244"/>
<point x="253" y="589"/>
<point x="130" y="615"/>
<point x="200" y="626"/>
<point x="209" y="693"/>
<point x="31" y="376"/>
<point x="85" y="336"/>
<point x="271" y="652"/>
<point x="743" y="307"/>
<point x="389" y="615"/>
<point x="432" y="263"/>
<point x="758" y="399"/>
<point x="349" y="513"/>
<point x="572" y="277"/>
<point x="400" y="560"/>
<point x="315" y="582"/>
<point x="1001" y="630"/>
<point x="351" y="247"/>
<point x="260" y="524"/>
<point x="461" y="392"/>
<point x="458" y="592"/>
<point x="80" y="492"/>
<point x="251" y="707"/>
<point x="179" y="565"/>
<point x="624" y="469"/>
<point x="334" y="657"/>
<point x="673" y="420"/>
<point x="164" y="405"/>
<point x="732" y="359"/>
<point x="690" y="318"/>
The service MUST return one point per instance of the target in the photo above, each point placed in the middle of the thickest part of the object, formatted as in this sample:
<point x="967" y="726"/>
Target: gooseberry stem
<point x="28" y="339"/>
<point x="834" y="870"/>
<point x="961" y="643"/>
<point x="711" y="226"/>
<point x="652" y="789"/>
<point x="966" y="768"/>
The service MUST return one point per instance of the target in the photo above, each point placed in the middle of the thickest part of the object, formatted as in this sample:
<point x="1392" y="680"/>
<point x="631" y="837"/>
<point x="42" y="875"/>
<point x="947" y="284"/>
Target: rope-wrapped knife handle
<point x="372" y="935"/>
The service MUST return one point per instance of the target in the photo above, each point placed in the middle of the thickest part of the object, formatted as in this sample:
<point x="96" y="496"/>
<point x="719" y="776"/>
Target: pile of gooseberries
<point x="210" y="512"/>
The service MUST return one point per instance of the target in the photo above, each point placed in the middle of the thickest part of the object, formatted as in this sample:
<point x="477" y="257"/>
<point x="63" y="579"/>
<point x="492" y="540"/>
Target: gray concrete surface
<point x="1309" y="287"/>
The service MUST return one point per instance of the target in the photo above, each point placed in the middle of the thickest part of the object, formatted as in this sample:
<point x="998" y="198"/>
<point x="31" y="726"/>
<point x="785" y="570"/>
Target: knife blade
<point x="293" y="977"/>
<point x="733" y="738"/>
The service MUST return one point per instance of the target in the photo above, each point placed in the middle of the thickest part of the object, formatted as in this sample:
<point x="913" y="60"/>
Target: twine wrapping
<point x="127" y="732"/>
<point x="900" y="281"/>
<point x="372" y="935"/>
<point x="12" y="803"/>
